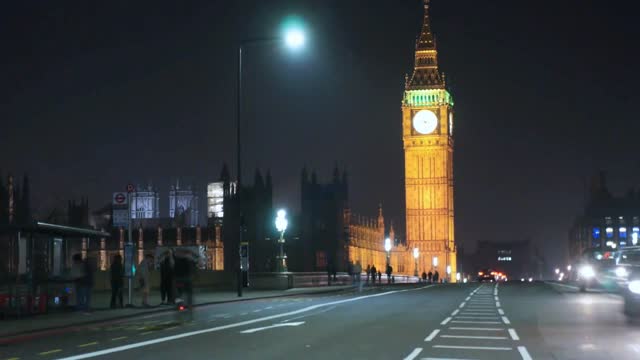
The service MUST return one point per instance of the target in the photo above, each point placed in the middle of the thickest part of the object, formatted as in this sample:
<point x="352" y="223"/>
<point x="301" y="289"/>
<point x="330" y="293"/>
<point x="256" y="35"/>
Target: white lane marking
<point x="250" y="331"/>
<point x="244" y="313"/>
<point x="467" y="298"/>
<point x="485" y="313"/>
<point x="472" y="347"/>
<point x="524" y="353"/>
<point x="445" y="321"/>
<point x="514" y="334"/>
<point x="463" y="304"/>
<point x="497" y="303"/>
<point x="474" y="337"/>
<point x="506" y="321"/>
<point x="222" y="315"/>
<point x="484" y="317"/>
<point x="500" y="311"/>
<point x="413" y="354"/>
<point x="475" y="328"/>
<point x="432" y="335"/>
<point x="268" y="307"/>
<point x="256" y="311"/>
<point x="455" y="312"/>
<point x="229" y="326"/>
<point x="476" y="308"/>
<point x="475" y="322"/>
<point x="496" y="298"/>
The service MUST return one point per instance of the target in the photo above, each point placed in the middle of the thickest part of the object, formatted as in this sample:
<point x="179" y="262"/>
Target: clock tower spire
<point x="427" y="131"/>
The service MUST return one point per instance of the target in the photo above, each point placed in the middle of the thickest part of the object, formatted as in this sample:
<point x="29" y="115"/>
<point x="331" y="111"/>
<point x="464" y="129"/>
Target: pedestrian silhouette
<point x="117" y="281"/>
<point x="424" y="276"/>
<point x="436" y="276"/>
<point x="379" y="277"/>
<point x="430" y="275"/>
<point x="373" y="274"/>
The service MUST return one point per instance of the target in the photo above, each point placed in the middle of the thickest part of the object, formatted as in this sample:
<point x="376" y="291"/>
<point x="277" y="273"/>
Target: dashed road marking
<point x="44" y="353"/>
<point x="497" y="348"/>
<point x="146" y="333"/>
<point x="88" y="344"/>
<point x="474" y="337"/>
<point x="118" y="338"/>
<point x="524" y="353"/>
<point x="474" y="322"/>
<point x="475" y="328"/>
<point x="506" y="321"/>
<point x="244" y="313"/>
<point x="483" y="317"/>
<point x="432" y="335"/>
<point x="445" y="321"/>
<point x="500" y="311"/>
<point x="514" y="334"/>
<point x="455" y="312"/>
<point x="497" y="303"/>
<point x="496" y="298"/>
<point x="413" y="354"/>
<point x="463" y="304"/>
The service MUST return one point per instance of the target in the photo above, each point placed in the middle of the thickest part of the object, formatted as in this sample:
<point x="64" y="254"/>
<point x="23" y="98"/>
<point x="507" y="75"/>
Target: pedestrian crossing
<point x="477" y="329"/>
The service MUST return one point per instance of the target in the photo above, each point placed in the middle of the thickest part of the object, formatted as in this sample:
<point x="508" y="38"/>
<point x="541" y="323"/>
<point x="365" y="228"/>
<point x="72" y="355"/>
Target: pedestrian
<point x="144" y="278"/>
<point x="379" y="277"/>
<point x="166" y="279"/>
<point x="329" y="272"/>
<point x="389" y="271"/>
<point x="358" y="272"/>
<point x="368" y="272"/>
<point x="424" y="276"/>
<point x="184" y="268"/>
<point x="117" y="282"/>
<point x="374" y="272"/>
<point x="430" y="275"/>
<point x="436" y="277"/>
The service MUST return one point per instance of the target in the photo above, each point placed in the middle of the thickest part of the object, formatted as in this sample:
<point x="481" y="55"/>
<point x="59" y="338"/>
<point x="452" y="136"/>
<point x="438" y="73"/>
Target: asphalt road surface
<point x="472" y="321"/>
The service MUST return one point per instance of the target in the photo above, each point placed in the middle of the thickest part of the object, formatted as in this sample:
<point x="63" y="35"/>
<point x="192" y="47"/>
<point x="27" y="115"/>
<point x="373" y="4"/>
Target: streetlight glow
<point x="416" y="253"/>
<point x="294" y="38"/>
<point x="557" y="271"/>
<point x="435" y="261"/>
<point x="281" y="221"/>
<point x="387" y="244"/>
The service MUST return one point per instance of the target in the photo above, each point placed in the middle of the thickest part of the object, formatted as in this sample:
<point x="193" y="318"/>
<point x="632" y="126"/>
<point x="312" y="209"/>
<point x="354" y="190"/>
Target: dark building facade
<point x="607" y="222"/>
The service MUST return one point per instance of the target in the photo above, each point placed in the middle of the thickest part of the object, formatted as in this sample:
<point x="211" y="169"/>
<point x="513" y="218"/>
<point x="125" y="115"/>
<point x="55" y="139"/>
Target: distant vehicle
<point x="485" y="275"/>
<point x="595" y="267"/>
<point x="627" y="273"/>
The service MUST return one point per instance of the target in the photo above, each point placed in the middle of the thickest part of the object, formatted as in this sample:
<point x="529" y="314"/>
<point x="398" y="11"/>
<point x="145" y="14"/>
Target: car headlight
<point x="634" y="286"/>
<point x="621" y="272"/>
<point x="587" y="271"/>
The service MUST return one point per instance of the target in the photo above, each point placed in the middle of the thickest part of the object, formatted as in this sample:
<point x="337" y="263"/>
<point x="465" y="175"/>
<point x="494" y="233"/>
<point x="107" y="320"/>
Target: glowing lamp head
<point x="281" y="221"/>
<point x="294" y="38"/>
<point x="435" y="261"/>
<point x="448" y="269"/>
<point x="634" y="286"/>
<point x="557" y="271"/>
<point x="387" y="244"/>
<point x="416" y="253"/>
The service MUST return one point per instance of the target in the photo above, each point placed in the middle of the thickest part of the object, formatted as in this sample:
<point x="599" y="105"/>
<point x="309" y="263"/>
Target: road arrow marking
<point x="250" y="331"/>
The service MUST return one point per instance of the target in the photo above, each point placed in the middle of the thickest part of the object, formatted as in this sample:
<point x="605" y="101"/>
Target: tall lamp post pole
<point x="293" y="38"/>
<point x="387" y="248"/>
<point x="281" y="226"/>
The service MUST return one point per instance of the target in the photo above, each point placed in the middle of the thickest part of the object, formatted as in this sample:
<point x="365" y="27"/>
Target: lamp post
<point x="293" y="38"/>
<point x="416" y="254"/>
<point x="387" y="248"/>
<point x="281" y="226"/>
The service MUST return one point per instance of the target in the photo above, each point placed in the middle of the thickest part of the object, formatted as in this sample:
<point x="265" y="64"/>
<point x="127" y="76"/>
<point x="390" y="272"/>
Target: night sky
<point x="97" y="94"/>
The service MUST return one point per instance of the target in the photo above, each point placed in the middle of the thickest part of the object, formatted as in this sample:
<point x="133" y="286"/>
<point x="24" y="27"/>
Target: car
<point x="595" y="268"/>
<point x="485" y="275"/>
<point x="628" y="277"/>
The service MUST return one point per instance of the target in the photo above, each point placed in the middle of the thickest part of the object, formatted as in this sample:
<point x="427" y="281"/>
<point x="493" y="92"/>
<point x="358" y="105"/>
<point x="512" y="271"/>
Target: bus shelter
<point x="35" y="260"/>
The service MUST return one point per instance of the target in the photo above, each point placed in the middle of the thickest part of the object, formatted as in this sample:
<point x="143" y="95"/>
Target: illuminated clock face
<point x="425" y="122"/>
<point x="450" y="123"/>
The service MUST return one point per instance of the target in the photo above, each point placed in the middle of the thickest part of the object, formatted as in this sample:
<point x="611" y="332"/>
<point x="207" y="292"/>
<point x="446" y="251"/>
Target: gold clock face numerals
<point x="425" y="122"/>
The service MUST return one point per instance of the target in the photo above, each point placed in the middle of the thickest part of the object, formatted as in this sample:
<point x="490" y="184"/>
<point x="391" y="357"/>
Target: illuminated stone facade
<point x="366" y="243"/>
<point x="427" y="128"/>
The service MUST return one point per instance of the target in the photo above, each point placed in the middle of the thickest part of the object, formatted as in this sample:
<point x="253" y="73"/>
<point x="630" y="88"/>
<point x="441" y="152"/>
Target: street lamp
<point x="387" y="248"/>
<point x="568" y="267"/>
<point x="557" y="271"/>
<point x="281" y="226"/>
<point x="435" y="261"/>
<point x="416" y="254"/>
<point x="293" y="37"/>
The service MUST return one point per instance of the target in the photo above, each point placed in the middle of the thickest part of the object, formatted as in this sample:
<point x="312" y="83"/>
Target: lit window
<point x="609" y="232"/>
<point x="622" y="232"/>
<point x="596" y="233"/>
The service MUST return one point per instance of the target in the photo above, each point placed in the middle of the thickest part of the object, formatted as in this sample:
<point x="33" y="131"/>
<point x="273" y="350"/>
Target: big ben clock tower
<point x="427" y="133"/>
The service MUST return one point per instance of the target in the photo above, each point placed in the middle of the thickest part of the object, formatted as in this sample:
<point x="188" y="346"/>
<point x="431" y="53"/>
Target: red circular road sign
<point x="130" y="188"/>
<point x="120" y="198"/>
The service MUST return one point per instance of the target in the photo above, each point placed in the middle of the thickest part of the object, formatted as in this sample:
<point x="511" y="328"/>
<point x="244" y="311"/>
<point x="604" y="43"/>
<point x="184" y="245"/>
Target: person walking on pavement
<point x="424" y="276"/>
<point x="144" y="278"/>
<point x="430" y="275"/>
<point x="184" y="268"/>
<point x="117" y="274"/>
<point x="389" y="271"/>
<point x="368" y="272"/>
<point x="374" y="272"/>
<point x="166" y="279"/>
<point x="379" y="277"/>
<point x="436" y="277"/>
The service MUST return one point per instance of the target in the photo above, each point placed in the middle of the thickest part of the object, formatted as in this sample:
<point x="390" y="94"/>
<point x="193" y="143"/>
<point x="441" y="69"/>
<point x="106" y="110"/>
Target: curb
<point x="27" y="334"/>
